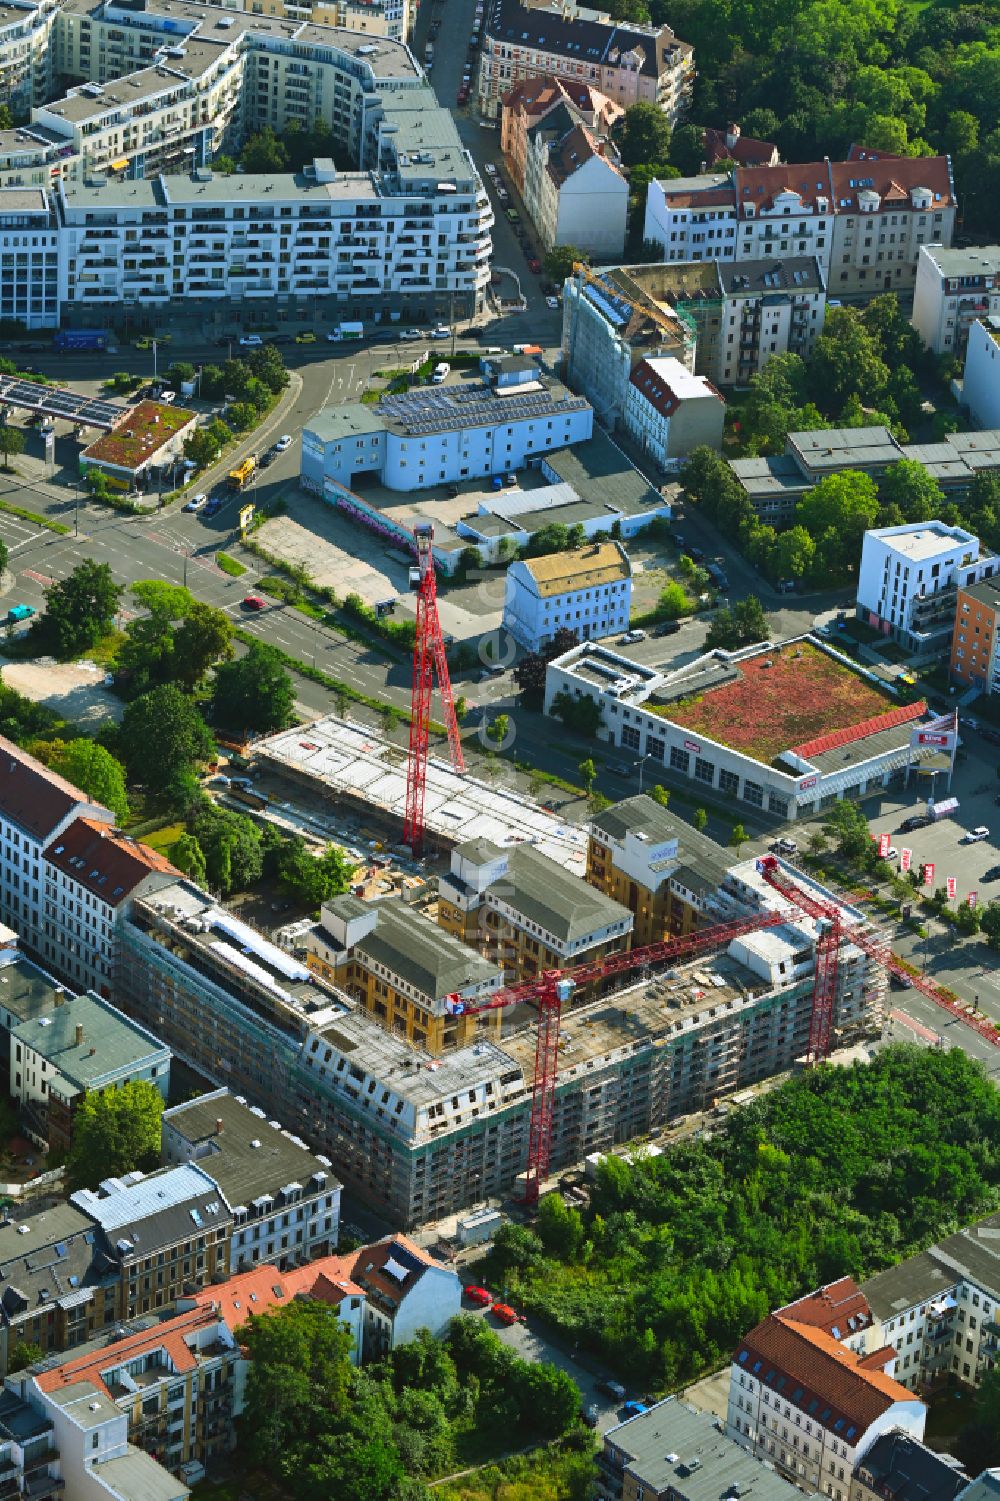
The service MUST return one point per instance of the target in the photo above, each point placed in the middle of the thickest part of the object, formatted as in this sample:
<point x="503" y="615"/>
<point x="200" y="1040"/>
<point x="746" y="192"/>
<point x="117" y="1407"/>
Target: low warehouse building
<point x="150" y="437"/>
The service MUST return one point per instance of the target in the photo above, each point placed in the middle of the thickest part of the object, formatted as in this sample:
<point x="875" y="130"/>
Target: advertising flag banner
<point x="929" y="874"/>
<point x="905" y="859"/>
<point x="884" y="844"/>
<point x="952" y="888"/>
<point x="971" y="899"/>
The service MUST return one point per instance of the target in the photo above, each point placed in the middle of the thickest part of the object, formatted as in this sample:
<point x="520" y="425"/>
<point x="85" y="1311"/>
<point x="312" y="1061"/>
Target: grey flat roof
<point x="351" y="420"/>
<point x="110" y="1042"/>
<point x="976" y="260"/>
<point x="136" y="1476"/>
<point x="793" y="273"/>
<point x="972" y="1254"/>
<point x="858" y="751"/>
<point x="23" y="201"/>
<point x="243" y="1171"/>
<point x="600" y="473"/>
<point x="837" y="447"/>
<point x="778" y="475"/>
<point x="27" y="992"/>
<point x="660" y="1445"/>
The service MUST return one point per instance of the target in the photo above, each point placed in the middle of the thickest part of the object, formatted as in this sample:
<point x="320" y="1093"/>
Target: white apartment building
<point x="285" y="1200"/>
<point x="939" y="1310"/>
<point x="864" y="220"/>
<point x="981" y="380"/>
<point x="36" y="807"/>
<point x="797" y="1400"/>
<point x="405" y="232"/>
<point x="954" y="289"/>
<point x="590" y="591"/>
<point x="909" y="578"/>
<point x="669" y="411"/>
<point x="445" y="434"/>
<point x="26" y="62"/>
<point x="575" y="192"/>
<point x="626" y="61"/>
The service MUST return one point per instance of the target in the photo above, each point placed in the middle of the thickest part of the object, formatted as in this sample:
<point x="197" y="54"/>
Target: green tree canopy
<point x="313" y="879"/>
<point x="643" y="135"/>
<point x="558" y="262"/>
<point x="161" y="735"/>
<point x="299" y="1362"/>
<point x="79" y="609"/>
<point x="95" y="771"/>
<point x="115" y="1131"/>
<point x="232" y="846"/>
<point x="188" y="855"/>
<point x="254" y="692"/>
<point x="836" y="513"/>
<point x="908" y="486"/>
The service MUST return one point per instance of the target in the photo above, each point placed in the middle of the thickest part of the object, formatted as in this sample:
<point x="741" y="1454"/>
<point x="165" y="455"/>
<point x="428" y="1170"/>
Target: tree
<point x="204" y="637"/>
<point x="499" y="728"/>
<point x="660" y="795"/>
<point x="299" y="1360"/>
<point x="560" y="1228"/>
<point x="181" y="373"/>
<point x="79" y="609"/>
<point x="738" y="837"/>
<point x="549" y="1397"/>
<point x="588" y="774"/>
<point x="529" y="672"/>
<point x="254" y="692"/>
<point x="264" y="153"/>
<point x="558" y="262"/>
<point x="22" y="1356"/>
<point x="12" y="441"/>
<point x="461" y="708"/>
<point x="580" y="714"/>
<point x="741" y="625"/>
<point x="96" y="772"/>
<point x="232" y="847"/>
<point x="699" y="819"/>
<point x="908" y="486"/>
<point x="846" y="361"/>
<point x="643" y="135"/>
<point x="312" y="879"/>
<point x="4" y="557"/>
<point x="793" y="554"/>
<point x="837" y="512"/>
<point x="162" y="734"/>
<point x="990" y="924"/>
<point x="687" y="149"/>
<point x="202" y="447"/>
<point x="847" y="823"/>
<point x="115" y="1131"/>
<point x="242" y="416"/>
<point x="188" y="855"/>
<point x="673" y="602"/>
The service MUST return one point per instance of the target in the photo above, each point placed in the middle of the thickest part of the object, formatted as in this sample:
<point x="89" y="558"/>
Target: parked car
<point x="977" y="835"/>
<point x="612" y="1389"/>
<point x="591" y="1415"/>
<point x="631" y="637"/>
<point x="783" y="847"/>
<point x="504" y="1314"/>
<point x="534" y="265"/>
<point x="695" y="554"/>
<point x="633" y="1409"/>
<point x="441" y="331"/>
<point x="250" y="341"/>
<point x="214" y="506"/>
<point x="993" y="874"/>
<point x="254" y="602"/>
<point x="285" y="441"/>
<point x="408" y="334"/>
<point x="196" y="502"/>
<point x="441" y="373"/>
<point x="479" y="1296"/>
<point x="306" y="336"/>
<point x="916" y="821"/>
<point x="667" y="628"/>
<point x="552" y="302"/>
<point x="620" y="768"/>
<point x="17" y="613"/>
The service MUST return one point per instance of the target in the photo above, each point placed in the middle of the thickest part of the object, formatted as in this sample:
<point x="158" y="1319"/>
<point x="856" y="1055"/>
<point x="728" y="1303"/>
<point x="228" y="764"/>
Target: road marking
<point x="39" y="578"/>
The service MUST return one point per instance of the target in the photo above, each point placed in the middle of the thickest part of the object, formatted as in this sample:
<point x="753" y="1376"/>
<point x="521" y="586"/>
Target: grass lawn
<point x="768" y="709"/>
<point x="161" y="839"/>
<point x="105" y="653"/>
<point x="229" y="565"/>
<point x="950" y="1410"/>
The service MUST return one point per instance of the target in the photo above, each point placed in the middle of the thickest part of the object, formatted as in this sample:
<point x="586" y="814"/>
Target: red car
<point x="479" y="1296"/>
<point x="504" y="1313"/>
<point x="463" y="95"/>
<point x="534" y="265"/>
<point x="254" y="602"/>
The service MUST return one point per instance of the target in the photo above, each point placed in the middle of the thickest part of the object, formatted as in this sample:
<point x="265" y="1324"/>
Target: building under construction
<point x="423" y="1136"/>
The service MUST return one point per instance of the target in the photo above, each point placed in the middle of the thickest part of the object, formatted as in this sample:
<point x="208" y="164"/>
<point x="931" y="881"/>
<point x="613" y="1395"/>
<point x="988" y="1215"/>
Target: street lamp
<point x="647" y="757"/>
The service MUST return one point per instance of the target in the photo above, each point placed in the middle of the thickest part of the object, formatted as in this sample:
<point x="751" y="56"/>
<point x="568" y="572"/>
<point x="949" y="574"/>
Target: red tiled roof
<point x="703" y="198"/>
<point x="33" y="796"/>
<point x="893" y="179"/>
<point x="840" y="1308"/>
<point x="745" y="150"/>
<point x="576" y="147"/>
<point x="819" y="1376"/>
<point x="168" y="1336"/>
<point x="369" y="1264"/>
<point x="853" y="732"/>
<point x="104" y="860"/>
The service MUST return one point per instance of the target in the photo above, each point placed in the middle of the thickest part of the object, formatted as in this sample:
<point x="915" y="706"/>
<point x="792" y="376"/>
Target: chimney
<point x="218" y="1125"/>
<point x="79" y="1034"/>
<point x="732" y="135"/>
<point x="59" y="996"/>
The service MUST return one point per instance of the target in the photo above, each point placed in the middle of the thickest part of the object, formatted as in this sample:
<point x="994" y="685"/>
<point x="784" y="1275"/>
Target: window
<point x="680" y="760"/>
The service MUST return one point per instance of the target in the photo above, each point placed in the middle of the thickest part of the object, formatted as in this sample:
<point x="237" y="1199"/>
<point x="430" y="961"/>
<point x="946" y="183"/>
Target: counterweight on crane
<point x="429" y="660"/>
<point x="553" y="989"/>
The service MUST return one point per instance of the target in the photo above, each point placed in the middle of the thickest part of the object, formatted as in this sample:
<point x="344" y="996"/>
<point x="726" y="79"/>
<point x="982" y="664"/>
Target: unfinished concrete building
<point x="424" y="1136"/>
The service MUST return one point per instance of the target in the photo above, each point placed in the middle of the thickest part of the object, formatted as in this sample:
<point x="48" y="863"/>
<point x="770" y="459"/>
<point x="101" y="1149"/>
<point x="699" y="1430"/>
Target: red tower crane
<point x="428" y="660"/>
<point x="553" y="989"/>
